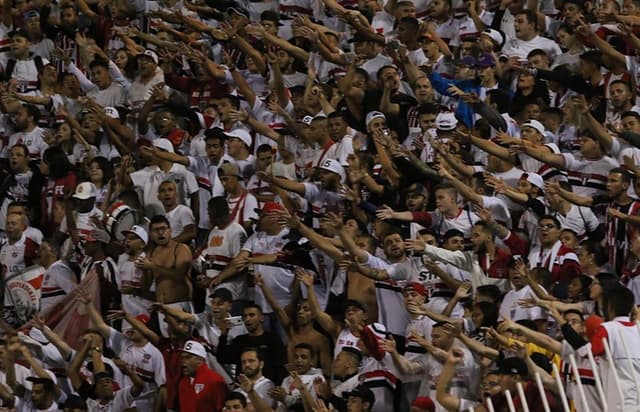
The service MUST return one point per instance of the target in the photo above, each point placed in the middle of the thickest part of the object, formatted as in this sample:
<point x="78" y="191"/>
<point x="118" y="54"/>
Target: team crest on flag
<point x="198" y="387"/>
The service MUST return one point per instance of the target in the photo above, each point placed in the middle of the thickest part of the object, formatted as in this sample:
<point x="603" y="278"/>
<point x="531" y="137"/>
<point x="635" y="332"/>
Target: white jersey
<point x="18" y="256"/>
<point x="463" y="221"/>
<point x="624" y="341"/>
<point x="222" y="246"/>
<point x="209" y="183"/>
<point x="83" y="221"/>
<point x="34" y="140"/>
<point x="321" y="201"/>
<point x="345" y="339"/>
<point x="121" y="401"/>
<point x="277" y="279"/>
<point x="510" y="308"/>
<point x="242" y="208"/>
<point x="150" y="178"/>
<point x="580" y="219"/>
<point x="461" y="382"/>
<point x="148" y="363"/>
<point x="293" y="397"/>
<point x="129" y="276"/>
<point x="381" y="377"/>
<point x="521" y="49"/>
<point x="179" y="218"/>
<point x="586" y="376"/>
<point x="59" y="281"/>
<point x="588" y="177"/>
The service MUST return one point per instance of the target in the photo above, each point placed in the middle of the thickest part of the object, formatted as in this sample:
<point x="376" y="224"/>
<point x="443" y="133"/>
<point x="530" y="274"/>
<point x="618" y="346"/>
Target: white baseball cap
<point x="164" y="144"/>
<point x="374" y="115"/>
<point x="446" y="121"/>
<point x="138" y="231"/>
<point x="333" y="166"/>
<point x="151" y="54"/>
<point x="494" y="35"/>
<point x="379" y="330"/>
<point x="85" y="190"/>
<point x="242" y="135"/>
<point x="534" y="178"/>
<point x="194" y="348"/>
<point x="112" y="112"/>
<point x="534" y="124"/>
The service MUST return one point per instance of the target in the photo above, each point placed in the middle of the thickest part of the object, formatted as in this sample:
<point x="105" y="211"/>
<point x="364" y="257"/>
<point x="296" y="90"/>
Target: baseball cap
<point x="374" y="115"/>
<point x="469" y="61"/>
<point x="533" y="178"/>
<point x="270" y="207"/>
<point x="306" y="120"/>
<point x="513" y="366"/>
<point x="333" y="166"/>
<point x="495" y="35"/>
<point x="242" y="135"/>
<point x="424" y="403"/>
<point x="418" y="188"/>
<point x="96" y="235"/>
<point x="229" y="169"/>
<point x="194" y="348"/>
<point x="222" y="293"/>
<point x="138" y="231"/>
<point x="18" y="32"/>
<point x="379" y="330"/>
<point x="239" y="11"/>
<point x="112" y="112"/>
<point x="164" y="144"/>
<point x="362" y="392"/>
<point x="446" y="121"/>
<point x="270" y="15"/>
<point x="486" y="60"/>
<point x="85" y="190"/>
<point x="355" y="303"/>
<point x="31" y="13"/>
<point x="149" y="53"/>
<point x="534" y="124"/>
<point x="416" y="287"/>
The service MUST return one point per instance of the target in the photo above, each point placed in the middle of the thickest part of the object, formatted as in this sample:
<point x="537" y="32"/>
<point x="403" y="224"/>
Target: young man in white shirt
<point x="527" y="38"/>
<point x="181" y="220"/>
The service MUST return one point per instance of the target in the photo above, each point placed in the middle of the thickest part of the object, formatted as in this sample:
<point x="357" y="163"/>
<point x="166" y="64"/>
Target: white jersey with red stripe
<point x="222" y="246"/>
<point x="345" y="339"/>
<point x="549" y="258"/>
<point x="83" y="221"/>
<point x="242" y="208"/>
<point x="148" y="363"/>
<point x="624" y="341"/>
<point x="129" y="276"/>
<point x="34" y="140"/>
<point x="321" y="201"/>
<point x="588" y="177"/>
<point x="586" y="376"/>
<point x="259" y="187"/>
<point x="423" y="325"/>
<point x="59" y="280"/>
<point x="381" y="377"/>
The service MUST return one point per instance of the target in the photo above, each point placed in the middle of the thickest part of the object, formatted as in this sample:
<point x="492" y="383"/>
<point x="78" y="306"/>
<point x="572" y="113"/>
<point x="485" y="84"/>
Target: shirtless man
<point x="169" y="262"/>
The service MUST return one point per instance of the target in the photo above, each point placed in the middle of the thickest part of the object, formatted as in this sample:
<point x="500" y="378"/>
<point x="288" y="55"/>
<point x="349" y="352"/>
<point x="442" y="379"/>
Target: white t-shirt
<point x="179" y="218"/>
<point x="222" y="246"/>
<point x="510" y="308"/>
<point x="34" y="140"/>
<point x="521" y="48"/>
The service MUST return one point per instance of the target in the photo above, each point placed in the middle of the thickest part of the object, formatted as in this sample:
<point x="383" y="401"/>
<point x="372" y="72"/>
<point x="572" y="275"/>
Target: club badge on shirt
<point x="198" y="387"/>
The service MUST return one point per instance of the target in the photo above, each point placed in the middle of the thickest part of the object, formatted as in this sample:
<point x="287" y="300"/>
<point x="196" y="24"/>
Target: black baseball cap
<point x="513" y="366"/>
<point x="362" y="392"/>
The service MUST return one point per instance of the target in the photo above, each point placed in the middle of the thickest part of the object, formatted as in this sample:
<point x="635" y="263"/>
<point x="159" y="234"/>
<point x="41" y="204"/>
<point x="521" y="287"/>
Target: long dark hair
<point x="58" y="162"/>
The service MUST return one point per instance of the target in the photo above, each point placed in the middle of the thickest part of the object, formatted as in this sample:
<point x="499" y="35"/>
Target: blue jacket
<point x="464" y="112"/>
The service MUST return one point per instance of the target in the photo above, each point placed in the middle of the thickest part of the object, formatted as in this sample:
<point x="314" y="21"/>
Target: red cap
<point x="143" y="317"/>
<point x="416" y="287"/>
<point x="272" y="207"/>
<point x="591" y="325"/>
<point x="425" y="403"/>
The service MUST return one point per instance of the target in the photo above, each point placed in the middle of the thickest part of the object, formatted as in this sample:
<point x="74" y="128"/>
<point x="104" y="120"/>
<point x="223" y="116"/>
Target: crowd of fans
<point x="319" y="205"/>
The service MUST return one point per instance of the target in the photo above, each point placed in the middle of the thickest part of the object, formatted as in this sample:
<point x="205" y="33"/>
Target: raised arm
<point x="462" y="188"/>
<point x="281" y="314"/>
<point x="325" y="321"/>
<point x="84" y="298"/>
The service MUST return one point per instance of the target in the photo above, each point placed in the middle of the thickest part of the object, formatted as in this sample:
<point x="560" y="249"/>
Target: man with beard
<point x="28" y="133"/>
<point x="133" y="283"/>
<point x="169" y="262"/>
<point x="19" y="183"/>
<point x="252" y="363"/>
<point x="622" y="100"/>
<point x="201" y="389"/>
<point x="256" y="337"/>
